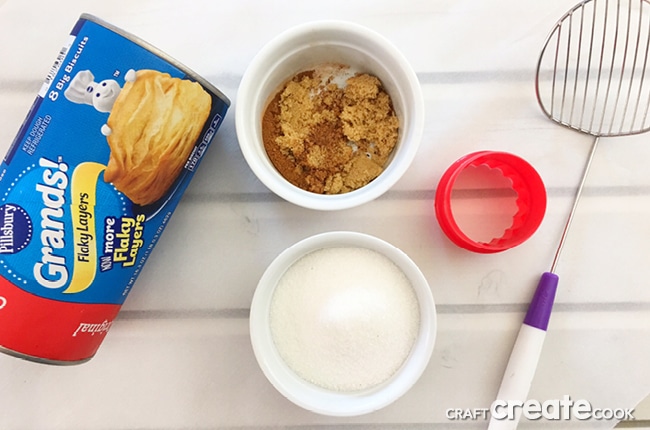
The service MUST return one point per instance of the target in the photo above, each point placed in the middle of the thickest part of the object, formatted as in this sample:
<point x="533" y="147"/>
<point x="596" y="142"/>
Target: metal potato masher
<point x="593" y="76"/>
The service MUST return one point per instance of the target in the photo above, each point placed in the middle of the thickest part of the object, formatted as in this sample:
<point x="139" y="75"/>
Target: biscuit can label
<point x="89" y="184"/>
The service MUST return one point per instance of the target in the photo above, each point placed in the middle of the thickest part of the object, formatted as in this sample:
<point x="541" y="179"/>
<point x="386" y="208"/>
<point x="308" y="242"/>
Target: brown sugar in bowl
<point x="330" y="130"/>
<point x="306" y="48"/>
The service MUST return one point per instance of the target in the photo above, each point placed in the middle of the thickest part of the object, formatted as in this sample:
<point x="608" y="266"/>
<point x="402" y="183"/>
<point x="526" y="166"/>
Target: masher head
<point x="593" y="74"/>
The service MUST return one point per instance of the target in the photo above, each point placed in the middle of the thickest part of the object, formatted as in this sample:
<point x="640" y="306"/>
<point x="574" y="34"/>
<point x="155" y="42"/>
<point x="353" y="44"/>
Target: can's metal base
<point x="41" y="360"/>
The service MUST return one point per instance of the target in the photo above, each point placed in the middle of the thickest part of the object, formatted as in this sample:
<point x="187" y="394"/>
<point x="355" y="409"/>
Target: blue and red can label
<point x="89" y="184"/>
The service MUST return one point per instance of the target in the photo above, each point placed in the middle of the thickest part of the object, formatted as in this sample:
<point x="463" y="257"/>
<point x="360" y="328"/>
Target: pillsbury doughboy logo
<point x="15" y="229"/>
<point x="101" y="95"/>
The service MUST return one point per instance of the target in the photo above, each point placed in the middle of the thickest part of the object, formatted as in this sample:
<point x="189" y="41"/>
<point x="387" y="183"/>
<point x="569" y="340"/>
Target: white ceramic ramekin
<point x="302" y="48"/>
<point x="313" y="397"/>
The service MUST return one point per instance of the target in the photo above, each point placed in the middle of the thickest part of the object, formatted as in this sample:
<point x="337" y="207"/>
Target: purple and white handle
<point x="525" y="354"/>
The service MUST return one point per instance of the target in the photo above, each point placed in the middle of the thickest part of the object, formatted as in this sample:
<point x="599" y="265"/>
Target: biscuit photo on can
<point x="151" y="130"/>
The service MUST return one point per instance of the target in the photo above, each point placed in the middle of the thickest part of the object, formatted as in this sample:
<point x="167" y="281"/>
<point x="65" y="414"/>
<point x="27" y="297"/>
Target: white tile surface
<point x="179" y="356"/>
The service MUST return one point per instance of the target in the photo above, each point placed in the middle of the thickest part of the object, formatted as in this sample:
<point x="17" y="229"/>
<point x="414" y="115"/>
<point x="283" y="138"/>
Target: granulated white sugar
<point x="344" y="318"/>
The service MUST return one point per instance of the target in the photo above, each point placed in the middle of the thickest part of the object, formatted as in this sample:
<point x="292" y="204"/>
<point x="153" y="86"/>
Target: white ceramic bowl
<point x="316" y="398"/>
<point x="302" y="48"/>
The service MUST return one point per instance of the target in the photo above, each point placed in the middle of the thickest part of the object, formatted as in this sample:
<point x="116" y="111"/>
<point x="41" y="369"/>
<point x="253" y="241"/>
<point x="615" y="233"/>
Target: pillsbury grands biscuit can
<point x="89" y="184"/>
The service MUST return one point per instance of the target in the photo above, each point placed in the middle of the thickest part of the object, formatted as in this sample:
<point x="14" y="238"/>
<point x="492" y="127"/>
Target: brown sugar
<point x="330" y="131"/>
